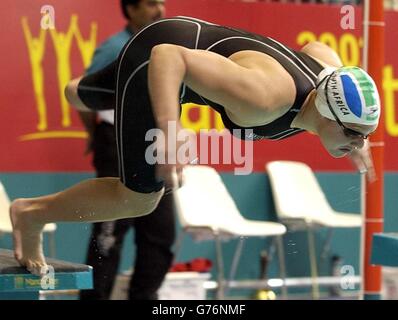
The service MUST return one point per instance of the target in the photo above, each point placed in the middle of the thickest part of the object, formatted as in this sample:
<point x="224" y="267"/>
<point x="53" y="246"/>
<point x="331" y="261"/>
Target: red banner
<point x="40" y="132"/>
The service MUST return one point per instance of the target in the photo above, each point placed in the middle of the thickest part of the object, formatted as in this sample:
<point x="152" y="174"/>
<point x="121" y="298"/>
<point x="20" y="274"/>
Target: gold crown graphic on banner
<point x="62" y="44"/>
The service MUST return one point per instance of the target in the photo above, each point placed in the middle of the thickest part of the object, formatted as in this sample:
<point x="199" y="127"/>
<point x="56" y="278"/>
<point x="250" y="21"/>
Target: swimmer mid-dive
<point x="254" y="82"/>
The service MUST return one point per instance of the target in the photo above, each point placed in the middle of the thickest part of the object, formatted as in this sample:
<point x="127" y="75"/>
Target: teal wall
<point x="253" y="196"/>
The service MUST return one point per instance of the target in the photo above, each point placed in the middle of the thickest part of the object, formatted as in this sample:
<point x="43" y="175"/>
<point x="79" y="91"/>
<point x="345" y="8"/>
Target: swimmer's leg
<point x="92" y="200"/>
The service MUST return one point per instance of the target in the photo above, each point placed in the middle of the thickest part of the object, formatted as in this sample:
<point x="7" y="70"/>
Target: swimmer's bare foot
<point x="27" y="237"/>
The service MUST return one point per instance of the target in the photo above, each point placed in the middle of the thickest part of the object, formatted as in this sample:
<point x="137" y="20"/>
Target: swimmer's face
<point x="339" y="143"/>
<point x="146" y="12"/>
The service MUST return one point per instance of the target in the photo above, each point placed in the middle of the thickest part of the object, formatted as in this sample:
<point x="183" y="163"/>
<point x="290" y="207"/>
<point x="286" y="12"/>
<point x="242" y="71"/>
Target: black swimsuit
<point x="123" y="86"/>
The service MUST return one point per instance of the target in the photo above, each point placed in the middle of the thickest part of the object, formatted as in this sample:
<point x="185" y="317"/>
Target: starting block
<point x="385" y="249"/>
<point x="16" y="283"/>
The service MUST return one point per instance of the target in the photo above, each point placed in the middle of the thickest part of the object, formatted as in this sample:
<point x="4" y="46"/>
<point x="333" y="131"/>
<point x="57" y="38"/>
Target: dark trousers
<point x="154" y="235"/>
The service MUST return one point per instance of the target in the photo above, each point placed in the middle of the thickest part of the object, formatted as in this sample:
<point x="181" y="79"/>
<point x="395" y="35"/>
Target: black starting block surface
<point x="62" y="275"/>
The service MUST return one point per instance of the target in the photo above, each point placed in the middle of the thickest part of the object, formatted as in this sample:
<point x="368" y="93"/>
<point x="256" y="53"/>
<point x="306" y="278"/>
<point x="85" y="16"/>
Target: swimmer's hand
<point x="176" y="154"/>
<point x="171" y="175"/>
<point x="362" y="159"/>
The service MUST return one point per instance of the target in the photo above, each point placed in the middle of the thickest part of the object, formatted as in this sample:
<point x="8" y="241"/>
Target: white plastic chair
<point x="206" y="210"/>
<point x="6" y="226"/>
<point x="301" y="204"/>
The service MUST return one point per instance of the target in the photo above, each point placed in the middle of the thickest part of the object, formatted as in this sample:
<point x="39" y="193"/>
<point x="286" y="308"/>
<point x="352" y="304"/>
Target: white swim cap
<point x="352" y="94"/>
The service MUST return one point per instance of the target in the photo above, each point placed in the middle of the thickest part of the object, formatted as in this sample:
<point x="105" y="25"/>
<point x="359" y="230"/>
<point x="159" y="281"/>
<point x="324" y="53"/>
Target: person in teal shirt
<point x="154" y="234"/>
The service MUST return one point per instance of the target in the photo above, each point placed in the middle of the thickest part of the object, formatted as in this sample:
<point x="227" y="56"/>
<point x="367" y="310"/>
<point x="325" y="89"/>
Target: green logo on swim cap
<point x="360" y="93"/>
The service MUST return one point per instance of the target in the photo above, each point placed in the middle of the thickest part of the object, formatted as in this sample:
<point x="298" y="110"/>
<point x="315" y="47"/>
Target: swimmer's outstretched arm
<point x="73" y="97"/>
<point x="94" y="91"/>
<point x="211" y="75"/>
